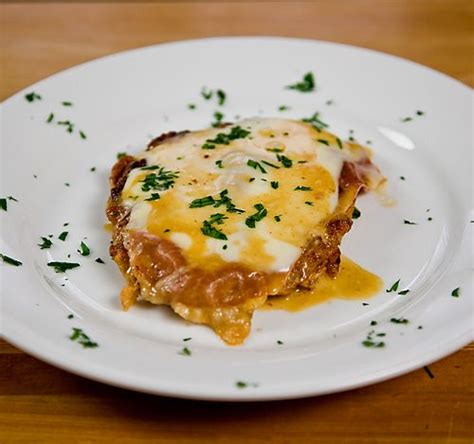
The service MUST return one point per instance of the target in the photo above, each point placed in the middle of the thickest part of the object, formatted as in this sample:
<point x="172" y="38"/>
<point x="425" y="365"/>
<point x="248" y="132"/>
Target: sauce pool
<point x="352" y="282"/>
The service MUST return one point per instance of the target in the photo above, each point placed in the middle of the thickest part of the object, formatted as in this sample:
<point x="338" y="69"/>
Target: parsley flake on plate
<point x="185" y="352"/>
<point x="62" y="267"/>
<point x="80" y="337"/>
<point x="32" y="96"/>
<point x="10" y="261"/>
<point x="394" y="287"/>
<point x="306" y="85"/>
<point x="84" y="250"/>
<point x="45" y="244"/>
<point x="399" y="321"/>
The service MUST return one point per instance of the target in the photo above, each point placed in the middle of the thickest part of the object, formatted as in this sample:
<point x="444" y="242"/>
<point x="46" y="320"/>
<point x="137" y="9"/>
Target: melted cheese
<point x="272" y="246"/>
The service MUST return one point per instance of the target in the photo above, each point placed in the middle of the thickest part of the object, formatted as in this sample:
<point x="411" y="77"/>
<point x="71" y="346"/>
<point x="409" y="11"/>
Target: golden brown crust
<point x="165" y="137"/>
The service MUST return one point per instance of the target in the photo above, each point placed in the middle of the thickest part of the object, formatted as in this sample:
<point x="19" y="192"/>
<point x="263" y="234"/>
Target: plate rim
<point x="240" y="37"/>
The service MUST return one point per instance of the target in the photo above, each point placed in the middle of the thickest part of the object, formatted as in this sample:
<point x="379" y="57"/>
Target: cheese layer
<point x="287" y="168"/>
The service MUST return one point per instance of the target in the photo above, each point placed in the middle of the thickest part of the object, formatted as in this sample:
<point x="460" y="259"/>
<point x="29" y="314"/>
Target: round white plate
<point x="121" y="101"/>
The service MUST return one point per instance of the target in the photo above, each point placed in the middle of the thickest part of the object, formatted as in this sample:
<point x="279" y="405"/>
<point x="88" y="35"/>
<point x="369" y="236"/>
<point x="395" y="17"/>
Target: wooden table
<point x="39" y="403"/>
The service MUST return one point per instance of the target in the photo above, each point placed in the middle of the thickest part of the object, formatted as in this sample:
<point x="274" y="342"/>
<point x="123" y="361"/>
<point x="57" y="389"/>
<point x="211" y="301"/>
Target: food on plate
<point x="214" y="222"/>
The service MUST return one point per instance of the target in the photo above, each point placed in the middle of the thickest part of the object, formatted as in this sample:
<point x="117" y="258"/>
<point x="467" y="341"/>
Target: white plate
<point x="122" y="100"/>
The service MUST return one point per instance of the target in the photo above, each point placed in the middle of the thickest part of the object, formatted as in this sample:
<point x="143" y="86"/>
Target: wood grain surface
<point x="39" y="403"/>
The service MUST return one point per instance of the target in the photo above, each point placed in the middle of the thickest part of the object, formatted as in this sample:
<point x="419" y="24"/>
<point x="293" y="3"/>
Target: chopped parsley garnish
<point x="402" y="177"/>
<point x="236" y="132"/>
<point x="329" y="102"/>
<point x="394" y="287"/>
<point x="63" y="235"/>
<point x="406" y="119"/>
<point x="251" y="179"/>
<point x="50" y="118"/>
<point x="186" y="339"/>
<point x="419" y="113"/>
<point x="256" y="165"/>
<point x="404" y="292"/>
<point x="99" y="261"/>
<point x="161" y="180"/>
<point x="82" y="134"/>
<point x="217" y="218"/>
<point x="92" y="169"/>
<point x="280" y="342"/>
<point x="369" y="341"/>
<point x="45" y="244"/>
<point x="429" y="219"/>
<point x="373" y="322"/>
<point x="323" y="141"/>
<point x="85" y="250"/>
<point x="277" y="217"/>
<point x="122" y="154"/>
<point x="69" y="125"/>
<point x="209" y="230"/>
<point x="67" y="184"/>
<point x="219" y="163"/>
<point x="274" y="184"/>
<point x="282" y="108"/>
<point x="3" y="204"/>
<point x="258" y="216"/>
<point x="61" y="267"/>
<point x="356" y="213"/>
<point x="32" y="96"/>
<point x="218" y="116"/>
<point x="316" y="122"/>
<point x="206" y="93"/>
<point x="399" y="321"/>
<point x="66" y="103"/>
<point x="309" y="203"/>
<point x="455" y="292"/>
<point x="185" y="352"/>
<point x="285" y="161"/>
<point x="306" y="85"/>
<point x="70" y="316"/>
<point x="220" y="97"/>
<point x="271" y="164"/>
<point x="154" y="196"/>
<point x="275" y="150"/>
<point x="373" y="344"/>
<point x="339" y="142"/>
<point x="428" y="371"/>
<point x="10" y="260"/>
<point x="202" y="202"/>
<point x="191" y="106"/>
<point x="302" y="188"/>
<point x="242" y="384"/>
<point x="81" y="338"/>
<point x="223" y="199"/>
<point x="409" y="222"/>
